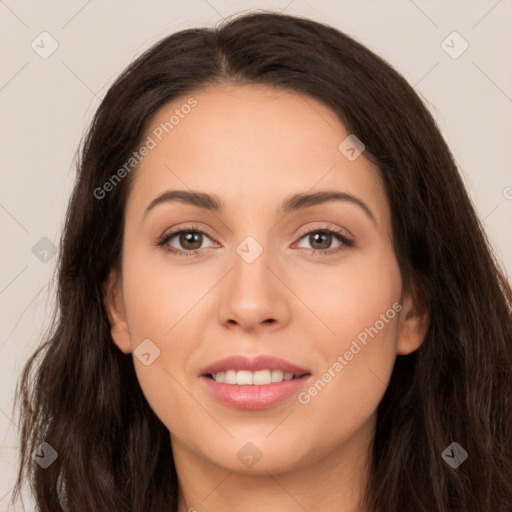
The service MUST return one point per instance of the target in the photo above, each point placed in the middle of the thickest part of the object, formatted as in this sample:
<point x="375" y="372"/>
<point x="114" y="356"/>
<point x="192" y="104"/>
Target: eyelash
<point x="166" y="237"/>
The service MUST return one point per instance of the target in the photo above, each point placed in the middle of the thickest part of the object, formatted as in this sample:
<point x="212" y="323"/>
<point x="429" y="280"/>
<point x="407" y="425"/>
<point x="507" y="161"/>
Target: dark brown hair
<point x="80" y="394"/>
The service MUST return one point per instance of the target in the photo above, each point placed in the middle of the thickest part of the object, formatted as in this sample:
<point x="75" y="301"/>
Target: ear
<point x="113" y="299"/>
<point x="414" y="322"/>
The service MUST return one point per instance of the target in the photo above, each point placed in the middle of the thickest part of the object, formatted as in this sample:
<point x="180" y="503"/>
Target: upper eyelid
<point x="325" y="227"/>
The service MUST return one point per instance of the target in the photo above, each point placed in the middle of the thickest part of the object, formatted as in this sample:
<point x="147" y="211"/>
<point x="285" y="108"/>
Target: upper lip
<point x="262" y="362"/>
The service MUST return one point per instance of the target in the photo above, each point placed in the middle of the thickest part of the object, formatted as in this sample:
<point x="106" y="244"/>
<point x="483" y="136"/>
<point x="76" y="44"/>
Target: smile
<point x="259" y="378"/>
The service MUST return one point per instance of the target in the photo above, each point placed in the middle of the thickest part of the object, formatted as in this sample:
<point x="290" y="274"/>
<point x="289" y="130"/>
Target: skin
<point x="254" y="146"/>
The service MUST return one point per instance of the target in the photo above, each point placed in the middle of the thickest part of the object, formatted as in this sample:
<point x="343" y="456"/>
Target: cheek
<point x="343" y="400"/>
<point x="161" y="299"/>
<point x="352" y="298"/>
<point x="163" y="305"/>
<point x="359" y="306"/>
<point x="347" y="389"/>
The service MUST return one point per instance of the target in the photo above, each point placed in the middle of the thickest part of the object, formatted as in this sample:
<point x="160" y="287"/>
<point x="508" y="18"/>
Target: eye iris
<point x="190" y="237"/>
<point x="313" y="239"/>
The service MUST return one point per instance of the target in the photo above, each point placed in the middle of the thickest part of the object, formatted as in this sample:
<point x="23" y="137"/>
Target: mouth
<point x="253" y="383"/>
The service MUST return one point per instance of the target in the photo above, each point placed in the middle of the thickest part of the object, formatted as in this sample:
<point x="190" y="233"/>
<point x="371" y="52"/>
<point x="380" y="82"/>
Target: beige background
<point x="46" y="104"/>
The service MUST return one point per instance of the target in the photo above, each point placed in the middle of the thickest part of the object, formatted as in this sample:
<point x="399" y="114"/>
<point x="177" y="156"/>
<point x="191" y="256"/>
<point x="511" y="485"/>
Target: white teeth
<point x="277" y="375"/>
<point x="245" y="377"/>
<point x="230" y="377"/>
<point x="262" y="377"/>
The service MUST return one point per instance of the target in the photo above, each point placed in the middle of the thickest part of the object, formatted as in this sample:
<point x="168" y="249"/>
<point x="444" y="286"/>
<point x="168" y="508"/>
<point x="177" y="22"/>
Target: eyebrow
<point x="295" y="202"/>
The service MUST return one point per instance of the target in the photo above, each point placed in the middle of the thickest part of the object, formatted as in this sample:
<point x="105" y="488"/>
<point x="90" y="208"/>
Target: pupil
<point x="326" y="237"/>
<point x="190" y="238"/>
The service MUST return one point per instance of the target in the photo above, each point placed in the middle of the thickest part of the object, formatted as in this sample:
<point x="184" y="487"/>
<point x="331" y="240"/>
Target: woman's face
<point x="314" y="283"/>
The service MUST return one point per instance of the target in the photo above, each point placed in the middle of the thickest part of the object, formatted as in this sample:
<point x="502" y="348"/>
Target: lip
<point x="253" y="364"/>
<point x="254" y="397"/>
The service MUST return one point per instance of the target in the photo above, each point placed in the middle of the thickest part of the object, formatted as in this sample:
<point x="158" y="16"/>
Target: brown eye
<point x="320" y="240"/>
<point x="190" y="240"/>
<point x="185" y="242"/>
<point x="325" y="241"/>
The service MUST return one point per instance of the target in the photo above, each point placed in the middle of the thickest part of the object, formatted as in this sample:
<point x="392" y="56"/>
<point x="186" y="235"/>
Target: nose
<point x="254" y="296"/>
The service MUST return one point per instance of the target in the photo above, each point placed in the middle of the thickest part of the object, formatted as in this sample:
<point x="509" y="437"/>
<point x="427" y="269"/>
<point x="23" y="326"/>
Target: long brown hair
<point x="80" y="394"/>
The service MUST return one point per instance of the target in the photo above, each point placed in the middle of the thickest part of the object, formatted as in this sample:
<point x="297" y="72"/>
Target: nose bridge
<point x="251" y="276"/>
<point x="253" y="293"/>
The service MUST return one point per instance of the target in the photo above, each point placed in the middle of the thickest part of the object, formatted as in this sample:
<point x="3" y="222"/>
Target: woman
<point x="339" y="335"/>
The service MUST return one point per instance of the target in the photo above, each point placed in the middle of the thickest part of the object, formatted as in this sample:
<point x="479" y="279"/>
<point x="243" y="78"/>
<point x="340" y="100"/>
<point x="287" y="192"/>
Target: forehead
<point x="249" y="144"/>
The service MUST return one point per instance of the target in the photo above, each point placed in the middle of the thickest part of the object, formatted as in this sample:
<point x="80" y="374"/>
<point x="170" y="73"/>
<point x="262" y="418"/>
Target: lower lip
<point x="254" y="397"/>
